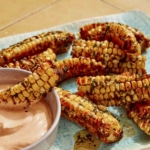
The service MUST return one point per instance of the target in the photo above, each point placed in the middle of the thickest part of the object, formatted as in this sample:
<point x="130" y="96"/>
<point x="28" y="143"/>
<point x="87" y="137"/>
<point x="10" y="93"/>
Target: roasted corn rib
<point x="115" y="59"/>
<point x="124" y="88"/>
<point x="59" y="41"/>
<point x="32" y="88"/>
<point x="118" y="33"/>
<point x="94" y="118"/>
<point x="74" y="67"/>
<point x="29" y="62"/>
<point x="140" y="114"/>
<point x="140" y="37"/>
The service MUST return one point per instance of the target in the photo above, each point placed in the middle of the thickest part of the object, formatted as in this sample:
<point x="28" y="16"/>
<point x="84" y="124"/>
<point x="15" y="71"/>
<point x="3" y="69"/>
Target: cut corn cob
<point x="100" y="51"/>
<point x="115" y="59"/>
<point x="73" y="67"/>
<point x="30" y="62"/>
<point x="116" y="32"/>
<point x="140" y="114"/>
<point x="59" y="41"/>
<point x="131" y="63"/>
<point x="32" y="88"/>
<point x="124" y="88"/>
<point x="94" y="118"/>
<point x="140" y="37"/>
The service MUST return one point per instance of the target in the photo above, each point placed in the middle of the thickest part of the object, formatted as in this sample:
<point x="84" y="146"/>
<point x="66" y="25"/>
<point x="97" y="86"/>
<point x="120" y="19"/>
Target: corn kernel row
<point x="59" y="41"/>
<point x="127" y="38"/>
<point x="73" y="67"/>
<point x="124" y="88"/>
<point x="30" y="62"/>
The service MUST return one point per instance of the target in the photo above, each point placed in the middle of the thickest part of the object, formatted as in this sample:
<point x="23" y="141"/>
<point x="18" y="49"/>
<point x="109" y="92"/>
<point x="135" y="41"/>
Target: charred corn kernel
<point x="139" y="113"/>
<point x="139" y="83"/>
<point x="35" y="75"/>
<point x="59" y="41"/>
<point x="125" y="87"/>
<point x="25" y="94"/>
<point x="35" y="87"/>
<point x="40" y="83"/>
<point x="36" y="94"/>
<point x="52" y="82"/>
<point x="145" y="82"/>
<point x="10" y="100"/>
<point x="21" y="97"/>
<point x="12" y="92"/>
<point x="16" y="89"/>
<point x="16" y="99"/>
<point x="44" y="77"/>
<point x="42" y="90"/>
<point x="122" y="88"/>
<point x="94" y="118"/>
<point x="128" y="86"/>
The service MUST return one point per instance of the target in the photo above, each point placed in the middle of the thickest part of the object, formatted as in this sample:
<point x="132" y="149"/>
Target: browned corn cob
<point x="114" y="32"/>
<point x="30" y="62"/>
<point x="141" y="38"/>
<point x="59" y="41"/>
<point x="140" y="114"/>
<point x="32" y="88"/>
<point x="73" y="67"/>
<point x="124" y="88"/>
<point x="115" y="60"/>
<point x="94" y="118"/>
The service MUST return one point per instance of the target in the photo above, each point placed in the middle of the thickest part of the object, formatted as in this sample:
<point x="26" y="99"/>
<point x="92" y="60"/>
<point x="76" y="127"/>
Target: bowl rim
<point x="53" y="126"/>
<point x="58" y="113"/>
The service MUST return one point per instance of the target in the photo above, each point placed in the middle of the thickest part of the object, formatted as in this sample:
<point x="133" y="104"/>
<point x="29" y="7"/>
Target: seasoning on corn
<point x="140" y="114"/>
<point x="59" y="41"/>
<point x="29" y="62"/>
<point x="124" y="88"/>
<point x="96" y="120"/>
<point x="73" y="67"/>
<point x="129" y="39"/>
<point x="114" y="58"/>
<point x="32" y="88"/>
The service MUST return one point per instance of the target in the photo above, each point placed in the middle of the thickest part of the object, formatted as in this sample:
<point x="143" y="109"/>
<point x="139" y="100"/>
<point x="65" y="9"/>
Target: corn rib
<point x="114" y="58"/>
<point x="139" y="113"/>
<point x="124" y="88"/>
<point x="94" y="118"/>
<point x="59" y="41"/>
<point x="74" y="67"/>
<point x="131" y="40"/>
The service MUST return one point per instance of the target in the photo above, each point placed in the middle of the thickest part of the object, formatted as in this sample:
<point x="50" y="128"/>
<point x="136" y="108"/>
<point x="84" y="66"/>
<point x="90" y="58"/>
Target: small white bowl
<point x="13" y="76"/>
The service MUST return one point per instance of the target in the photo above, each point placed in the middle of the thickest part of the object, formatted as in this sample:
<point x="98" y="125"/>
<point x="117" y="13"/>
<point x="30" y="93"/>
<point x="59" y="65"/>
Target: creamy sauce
<point x="20" y="128"/>
<point x="84" y="140"/>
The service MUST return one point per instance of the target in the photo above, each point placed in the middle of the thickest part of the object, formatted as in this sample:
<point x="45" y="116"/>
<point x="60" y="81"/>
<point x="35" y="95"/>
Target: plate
<point x="133" y="138"/>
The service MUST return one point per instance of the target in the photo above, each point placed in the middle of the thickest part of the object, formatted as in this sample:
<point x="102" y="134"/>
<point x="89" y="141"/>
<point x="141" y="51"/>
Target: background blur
<point x="19" y="16"/>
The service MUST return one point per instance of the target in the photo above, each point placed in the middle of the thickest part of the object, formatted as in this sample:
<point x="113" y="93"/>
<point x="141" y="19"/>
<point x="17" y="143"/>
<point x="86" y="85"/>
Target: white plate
<point x="67" y="128"/>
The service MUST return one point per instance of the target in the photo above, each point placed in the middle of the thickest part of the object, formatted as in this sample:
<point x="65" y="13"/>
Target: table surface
<point x="26" y="16"/>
